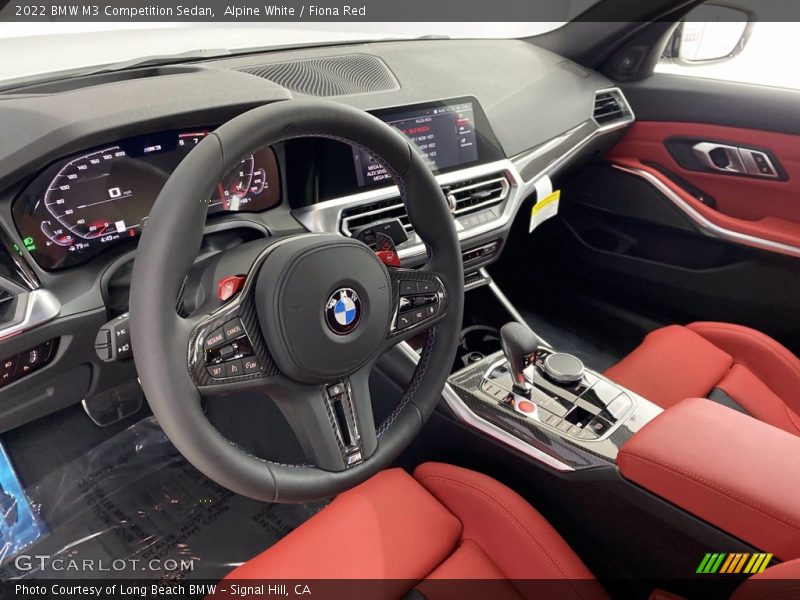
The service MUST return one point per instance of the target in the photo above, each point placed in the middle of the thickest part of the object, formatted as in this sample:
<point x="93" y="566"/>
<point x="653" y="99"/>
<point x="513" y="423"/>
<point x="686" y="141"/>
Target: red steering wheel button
<point x="388" y="257"/>
<point x="228" y="287"/>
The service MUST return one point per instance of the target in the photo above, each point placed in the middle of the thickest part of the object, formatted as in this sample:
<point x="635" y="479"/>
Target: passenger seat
<point x="739" y="367"/>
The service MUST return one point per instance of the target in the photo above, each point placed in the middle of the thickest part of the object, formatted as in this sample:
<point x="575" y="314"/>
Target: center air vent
<point x="469" y="196"/>
<point x="464" y="197"/>
<point x="330" y="76"/>
<point x="611" y="107"/>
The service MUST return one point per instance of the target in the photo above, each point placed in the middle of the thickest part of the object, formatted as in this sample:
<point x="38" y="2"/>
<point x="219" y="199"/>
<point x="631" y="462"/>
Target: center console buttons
<point x="526" y="406"/>
<point x="601" y="394"/>
<point x="619" y="406"/>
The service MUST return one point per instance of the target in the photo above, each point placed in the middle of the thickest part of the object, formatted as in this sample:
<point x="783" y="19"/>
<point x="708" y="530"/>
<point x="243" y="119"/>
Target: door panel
<point x="651" y="232"/>
<point x="761" y="207"/>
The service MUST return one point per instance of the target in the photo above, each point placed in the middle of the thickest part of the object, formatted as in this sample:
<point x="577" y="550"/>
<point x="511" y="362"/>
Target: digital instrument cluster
<point x="87" y="202"/>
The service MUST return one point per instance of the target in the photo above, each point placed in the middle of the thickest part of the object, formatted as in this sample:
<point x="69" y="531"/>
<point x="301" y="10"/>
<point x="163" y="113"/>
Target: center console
<point x="724" y="467"/>
<point x="586" y="407"/>
<point x="549" y="406"/>
<point x="544" y="403"/>
<point x="568" y="426"/>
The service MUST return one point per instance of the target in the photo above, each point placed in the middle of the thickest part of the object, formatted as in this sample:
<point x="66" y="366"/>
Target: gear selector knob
<point x="563" y="368"/>
<point x="518" y="342"/>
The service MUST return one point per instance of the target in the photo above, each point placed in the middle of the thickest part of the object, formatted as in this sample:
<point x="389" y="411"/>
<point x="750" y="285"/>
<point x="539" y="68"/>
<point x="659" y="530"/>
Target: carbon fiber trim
<point x="246" y="311"/>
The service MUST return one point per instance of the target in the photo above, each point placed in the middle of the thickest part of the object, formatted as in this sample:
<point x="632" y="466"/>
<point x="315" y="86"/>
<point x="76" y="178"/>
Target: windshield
<point x="49" y="48"/>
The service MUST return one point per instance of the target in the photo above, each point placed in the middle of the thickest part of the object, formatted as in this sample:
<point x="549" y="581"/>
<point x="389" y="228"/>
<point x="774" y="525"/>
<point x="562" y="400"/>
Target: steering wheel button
<point x="337" y="389"/>
<point x="404" y="321"/>
<point x="425" y="287"/>
<point x="233" y="329"/>
<point x="431" y="310"/>
<point x="250" y="365"/>
<point x="408" y="288"/>
<point x="227" y="352"/>
<point x="216" y="371"/>
<point x="233" y="368"/>
<point x="214" y="339"/>
<point x="228" y="287"/>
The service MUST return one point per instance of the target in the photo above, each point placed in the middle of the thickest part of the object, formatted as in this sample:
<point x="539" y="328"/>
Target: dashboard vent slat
<point x="329" y="76"/>
<point x="610" y="107"/>
<point x="470" y="196"/>
<point x="464" y="197"/>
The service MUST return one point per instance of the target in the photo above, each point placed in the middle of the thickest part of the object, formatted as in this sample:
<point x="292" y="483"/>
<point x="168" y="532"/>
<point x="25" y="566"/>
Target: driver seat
<point x="445" y="522"/>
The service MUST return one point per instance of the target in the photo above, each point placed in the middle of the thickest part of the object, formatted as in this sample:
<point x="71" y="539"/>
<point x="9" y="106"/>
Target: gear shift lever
<point x="518" y="341"/>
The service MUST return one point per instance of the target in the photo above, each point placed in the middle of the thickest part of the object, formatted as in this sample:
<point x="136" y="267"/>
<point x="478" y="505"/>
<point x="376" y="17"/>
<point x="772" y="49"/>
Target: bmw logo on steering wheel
<point x="343" y="311"/>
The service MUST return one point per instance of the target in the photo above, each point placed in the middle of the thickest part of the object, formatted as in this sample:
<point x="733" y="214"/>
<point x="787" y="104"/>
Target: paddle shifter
<point x="519" y="343"/>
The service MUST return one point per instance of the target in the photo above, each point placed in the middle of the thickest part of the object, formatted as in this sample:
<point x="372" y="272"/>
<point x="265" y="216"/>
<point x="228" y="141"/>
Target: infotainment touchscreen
<point x="444" y="135"/>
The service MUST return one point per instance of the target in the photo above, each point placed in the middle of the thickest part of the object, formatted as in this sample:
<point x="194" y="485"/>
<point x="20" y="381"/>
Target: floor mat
<point x="133" y="507"/>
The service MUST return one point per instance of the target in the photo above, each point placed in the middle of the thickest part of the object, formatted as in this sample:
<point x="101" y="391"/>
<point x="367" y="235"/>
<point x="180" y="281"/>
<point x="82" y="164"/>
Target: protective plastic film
<point x="134" y="508"/>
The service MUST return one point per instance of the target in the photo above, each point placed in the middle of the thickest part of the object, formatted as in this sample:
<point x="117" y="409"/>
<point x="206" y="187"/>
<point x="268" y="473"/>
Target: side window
<point x="717" y="41"/>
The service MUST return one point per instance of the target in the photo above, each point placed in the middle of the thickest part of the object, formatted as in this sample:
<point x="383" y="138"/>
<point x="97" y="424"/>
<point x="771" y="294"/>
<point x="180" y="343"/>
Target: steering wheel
<point x="314" y="314"/>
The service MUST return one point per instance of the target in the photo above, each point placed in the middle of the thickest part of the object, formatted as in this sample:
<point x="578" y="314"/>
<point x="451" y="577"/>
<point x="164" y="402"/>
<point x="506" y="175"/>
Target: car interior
<point x="517" y="311"/>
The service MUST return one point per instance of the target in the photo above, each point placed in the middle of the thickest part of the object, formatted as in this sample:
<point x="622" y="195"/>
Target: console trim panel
<point x="576" y="454"/>
<point x="464" y="414"/>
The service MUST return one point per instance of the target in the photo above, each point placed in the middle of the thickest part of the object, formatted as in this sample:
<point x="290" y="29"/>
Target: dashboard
<point x="100" y="197"/>
<point x="82" y="161"/>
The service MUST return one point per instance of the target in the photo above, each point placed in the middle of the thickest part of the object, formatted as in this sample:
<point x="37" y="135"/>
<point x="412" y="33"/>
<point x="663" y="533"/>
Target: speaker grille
<point x="330" y="76"/>
<point x="573" y="68"/>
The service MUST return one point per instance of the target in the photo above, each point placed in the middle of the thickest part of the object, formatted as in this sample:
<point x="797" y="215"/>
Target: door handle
<point x="734" y="159"/>
<point x="720" y="157"/>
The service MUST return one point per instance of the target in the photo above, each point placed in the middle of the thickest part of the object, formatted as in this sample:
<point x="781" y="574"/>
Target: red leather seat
<point x="444" y="523"/>
<point x="718" y="360"/>
<point x="445" y="533"/>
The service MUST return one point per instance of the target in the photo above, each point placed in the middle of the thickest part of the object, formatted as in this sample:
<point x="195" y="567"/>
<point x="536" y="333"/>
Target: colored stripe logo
<point x="736" y="562"/>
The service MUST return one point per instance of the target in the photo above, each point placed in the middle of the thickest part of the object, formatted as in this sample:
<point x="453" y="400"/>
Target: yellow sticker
<point x="544" y="209"/>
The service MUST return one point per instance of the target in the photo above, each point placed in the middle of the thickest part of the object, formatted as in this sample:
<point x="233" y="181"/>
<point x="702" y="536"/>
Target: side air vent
<point x="464" y="197"/>
<point x="610" y="107"/>
<point x="330" y="76"/>
<point x="8" y="303"/>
